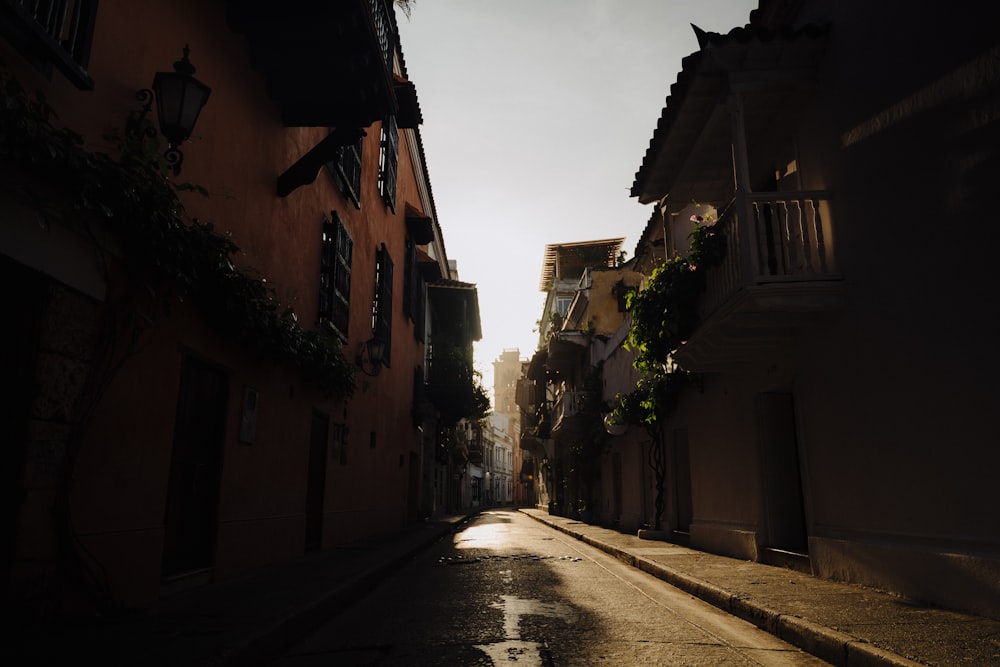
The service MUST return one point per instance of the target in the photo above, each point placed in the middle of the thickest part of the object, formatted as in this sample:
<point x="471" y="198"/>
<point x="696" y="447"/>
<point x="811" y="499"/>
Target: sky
<point x="536" y="117"/>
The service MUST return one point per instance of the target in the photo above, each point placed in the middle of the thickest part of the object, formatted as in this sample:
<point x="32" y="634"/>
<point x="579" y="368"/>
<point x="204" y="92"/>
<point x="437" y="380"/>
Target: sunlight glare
<point x="482" y="536"/>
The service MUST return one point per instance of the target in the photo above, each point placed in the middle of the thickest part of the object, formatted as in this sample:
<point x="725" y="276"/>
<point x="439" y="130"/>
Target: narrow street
<point x="508" y="590"/>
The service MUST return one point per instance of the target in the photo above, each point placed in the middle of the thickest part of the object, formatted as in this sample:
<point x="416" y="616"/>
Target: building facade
<point x="843" y="421"/>
<point x="561" y="390"/>
<point x="213" y="378"/>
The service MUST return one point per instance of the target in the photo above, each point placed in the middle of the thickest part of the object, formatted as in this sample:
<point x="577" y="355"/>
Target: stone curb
<point x="825" y="643"/>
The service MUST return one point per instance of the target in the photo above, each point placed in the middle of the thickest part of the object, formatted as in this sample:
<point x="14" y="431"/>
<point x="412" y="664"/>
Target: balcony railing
<point x="383" y="30"/>
<point x="782" y="238"/>
<point x="569" y="404"/>
<point x="349" y="44"/>
<point x="56" y="32"/>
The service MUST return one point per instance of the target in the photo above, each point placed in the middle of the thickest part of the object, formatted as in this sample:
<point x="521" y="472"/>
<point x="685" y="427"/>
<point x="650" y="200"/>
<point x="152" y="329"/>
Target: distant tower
<point x="506" y="371"/>
<point x="507" y="415"/>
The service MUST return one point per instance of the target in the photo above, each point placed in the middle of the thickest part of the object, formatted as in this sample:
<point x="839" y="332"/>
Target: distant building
<point x="560" y="391"/>
<point x="507" y="417"/>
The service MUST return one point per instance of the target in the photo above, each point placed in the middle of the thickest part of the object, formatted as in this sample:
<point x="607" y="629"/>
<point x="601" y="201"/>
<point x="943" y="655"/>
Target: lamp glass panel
<point x="376" y="350"/>
<point x="179" y="99"/>
<point x="169" y="89"/>
<point x="195" y="96"/>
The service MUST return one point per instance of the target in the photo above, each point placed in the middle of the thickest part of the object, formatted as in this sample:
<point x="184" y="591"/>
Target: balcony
<point x="566" y="352"/>
<point x="475" y="455"/>
<point x="328" y="64"/>
<point x="571" y="415"/>
<point x="779" y="274"/>
<point x="48" y="34"/>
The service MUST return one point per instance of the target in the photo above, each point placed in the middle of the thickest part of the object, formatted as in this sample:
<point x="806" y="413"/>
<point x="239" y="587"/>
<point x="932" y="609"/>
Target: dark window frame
<point x="388" y="164"/>
<point x="48" y="37"/>
<point x="414" y="294"/>
<point x="346" y="171"/>
<point x="382" y="303"/>
<point x="336" y="258"/>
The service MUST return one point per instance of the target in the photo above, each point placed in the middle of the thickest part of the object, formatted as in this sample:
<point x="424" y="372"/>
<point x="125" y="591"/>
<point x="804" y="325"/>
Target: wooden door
<point x="316" y="480"/>
<point x="782" y="480"/>
<point x="682" y="480"/>
<point x="196" y="469"/>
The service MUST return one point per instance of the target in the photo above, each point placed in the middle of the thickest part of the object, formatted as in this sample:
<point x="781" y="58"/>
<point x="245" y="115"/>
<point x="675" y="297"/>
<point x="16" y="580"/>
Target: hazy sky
<point x="537" y="114"/>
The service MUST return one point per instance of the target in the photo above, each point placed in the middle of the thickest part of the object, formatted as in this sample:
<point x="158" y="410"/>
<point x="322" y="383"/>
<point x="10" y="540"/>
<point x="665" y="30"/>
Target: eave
<point x="689" y="155"/>
<point x="603" y="252"/>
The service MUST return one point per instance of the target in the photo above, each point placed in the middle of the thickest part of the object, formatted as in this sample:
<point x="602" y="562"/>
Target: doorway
<point x="25" y="294"/>
<point x="616" y="488"/>
<point x="190" y="520"/>
<point x="784" y="506"/>
<point x="682" y="483"/>
<point x="316" y="480"/>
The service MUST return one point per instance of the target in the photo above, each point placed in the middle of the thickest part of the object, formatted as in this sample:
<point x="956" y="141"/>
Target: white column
<point x="741" y="174"/>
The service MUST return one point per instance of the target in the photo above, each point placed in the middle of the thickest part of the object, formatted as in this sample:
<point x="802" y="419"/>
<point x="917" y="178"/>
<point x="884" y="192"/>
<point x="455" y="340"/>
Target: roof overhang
<point x="418" y="226"/>
<point x="408" y="114"/>
<point x="579" y="254"/>
<point x="429" y="268"/>
<point x="690" y="156"/>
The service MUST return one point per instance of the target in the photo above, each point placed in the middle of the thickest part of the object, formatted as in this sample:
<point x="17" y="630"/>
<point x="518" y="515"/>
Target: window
<point x="346" y="171"/>
<point x="335" y="276"/>
<point x="341" y="434"/>
<point x="414" y="296"/>
<point x="388" y="162"/>
<point x="382" y="307"/>
<point x="51" y="34"/>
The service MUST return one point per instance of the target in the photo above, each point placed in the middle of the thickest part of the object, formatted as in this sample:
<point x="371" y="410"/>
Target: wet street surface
<point x="507" y="590"/>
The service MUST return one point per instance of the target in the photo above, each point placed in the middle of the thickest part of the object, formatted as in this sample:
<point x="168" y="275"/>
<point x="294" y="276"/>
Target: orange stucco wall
<point x="237" y="151"/>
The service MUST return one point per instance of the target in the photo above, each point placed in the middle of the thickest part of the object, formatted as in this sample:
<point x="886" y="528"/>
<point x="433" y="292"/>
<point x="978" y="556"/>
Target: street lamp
<point x="370" y="356"/>
<point x="179" y="100"/>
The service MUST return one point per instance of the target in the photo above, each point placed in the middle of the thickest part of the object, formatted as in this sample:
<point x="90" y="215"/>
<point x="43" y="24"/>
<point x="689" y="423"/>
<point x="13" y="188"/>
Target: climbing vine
<point x="665" y="312"/>
<point x="664" y="315"/>
<point x="127" y="190"/>
<point x="455" y="386"/>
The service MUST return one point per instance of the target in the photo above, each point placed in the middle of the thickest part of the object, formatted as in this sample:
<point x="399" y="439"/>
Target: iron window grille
<point x="51" y="33"/>
<point x="382" y="306"/>
<point x="335" y="276"/>
<point x="346" y="171"/>
<point x="414" y="295"/>
<point x="389" y="162"/>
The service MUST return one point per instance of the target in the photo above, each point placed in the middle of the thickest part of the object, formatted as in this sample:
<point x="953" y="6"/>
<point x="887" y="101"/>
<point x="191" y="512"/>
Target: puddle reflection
<point x="513" y="649"/>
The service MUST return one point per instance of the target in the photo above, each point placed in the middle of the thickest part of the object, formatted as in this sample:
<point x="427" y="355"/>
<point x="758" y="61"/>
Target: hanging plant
<point x="50" y="169"/>
<point x="455" y="386"/>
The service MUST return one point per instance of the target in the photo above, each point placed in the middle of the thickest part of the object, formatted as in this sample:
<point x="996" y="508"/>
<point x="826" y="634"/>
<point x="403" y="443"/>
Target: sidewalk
<point x="245" y="621"/>
<point x="840" y="623"/>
